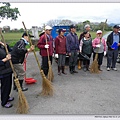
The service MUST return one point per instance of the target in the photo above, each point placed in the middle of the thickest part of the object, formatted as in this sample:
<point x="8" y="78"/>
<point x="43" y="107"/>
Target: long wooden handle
<point x="47" y="48"/>
<point x="7" y="54"/>
<point x="31" y="44"/>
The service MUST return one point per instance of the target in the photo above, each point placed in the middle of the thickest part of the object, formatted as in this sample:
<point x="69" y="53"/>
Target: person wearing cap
<point x="86" y="48"/>
<point x="46" y="42"/>
<point x="18" y="55"/>
<point x="60" y="49"/>
<point x="72" y="44"/>
<point x="99" y="47"/>
<point x="112" y="53"/>
<point x="5" y="77"/>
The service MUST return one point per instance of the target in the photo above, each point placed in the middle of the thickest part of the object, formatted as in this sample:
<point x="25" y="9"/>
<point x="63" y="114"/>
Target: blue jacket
<point x="72" y="42"/>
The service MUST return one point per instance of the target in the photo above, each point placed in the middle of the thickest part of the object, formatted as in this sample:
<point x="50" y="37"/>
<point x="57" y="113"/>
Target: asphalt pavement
<point x="83" y="93"/>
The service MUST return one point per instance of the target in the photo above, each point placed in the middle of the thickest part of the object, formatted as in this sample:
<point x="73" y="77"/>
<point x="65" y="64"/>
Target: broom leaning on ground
<point x="50" y="72"/>
<point x="22" y="107"/>
<point x="47" y="87"/>
<point x="94" y="65"/>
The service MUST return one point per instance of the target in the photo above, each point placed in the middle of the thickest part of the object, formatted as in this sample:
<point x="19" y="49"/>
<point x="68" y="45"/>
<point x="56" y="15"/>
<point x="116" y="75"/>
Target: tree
<point x="53" y="22"/>
<point x="7" y="12"/>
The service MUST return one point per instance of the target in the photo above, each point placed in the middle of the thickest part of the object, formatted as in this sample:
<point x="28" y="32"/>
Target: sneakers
<point x="10" y="99"/>
<point x="108" y="69"/>
<point x="115" y="69"/>
<point x="8" y="105"/>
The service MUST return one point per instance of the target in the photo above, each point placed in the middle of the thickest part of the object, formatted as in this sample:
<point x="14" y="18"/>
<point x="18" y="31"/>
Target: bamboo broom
<point x="50" y="72"/>
<point x="94" y="65"/>
<point x="47" y="87"/>
<point x="79" y="64"/>
<point x="22" y="107"/>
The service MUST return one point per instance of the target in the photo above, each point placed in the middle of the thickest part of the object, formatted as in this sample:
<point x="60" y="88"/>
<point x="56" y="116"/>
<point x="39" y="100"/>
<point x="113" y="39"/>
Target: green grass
<point x="12" y="38"/>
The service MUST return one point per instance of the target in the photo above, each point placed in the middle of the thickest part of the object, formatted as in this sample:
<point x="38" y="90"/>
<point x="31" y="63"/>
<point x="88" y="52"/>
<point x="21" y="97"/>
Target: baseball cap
<point x="72" y="26"/>
<point x="116" y="26"/>
<point x="24" y="34"/>
<point x="61" y="30"/>
<point x="99" y="32"/>
<point x="48" y="28"/>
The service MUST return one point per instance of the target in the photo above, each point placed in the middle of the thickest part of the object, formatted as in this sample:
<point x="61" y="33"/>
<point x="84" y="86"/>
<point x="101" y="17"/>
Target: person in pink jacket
<point x="99" y="46"/>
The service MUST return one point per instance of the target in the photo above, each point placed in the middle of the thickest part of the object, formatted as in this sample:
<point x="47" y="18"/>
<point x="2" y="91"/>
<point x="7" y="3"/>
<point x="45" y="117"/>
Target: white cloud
<point x="36" y="14"/>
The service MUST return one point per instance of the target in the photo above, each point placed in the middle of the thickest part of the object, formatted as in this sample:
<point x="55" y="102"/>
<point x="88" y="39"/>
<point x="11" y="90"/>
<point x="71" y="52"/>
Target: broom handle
<point x="7" y="54"/>
<point x="47" y="48"/>
<point x="31" y="44"/>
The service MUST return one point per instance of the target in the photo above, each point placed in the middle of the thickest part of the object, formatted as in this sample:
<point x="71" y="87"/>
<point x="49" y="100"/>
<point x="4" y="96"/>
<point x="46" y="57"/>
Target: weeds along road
<point x="79" y="94"/>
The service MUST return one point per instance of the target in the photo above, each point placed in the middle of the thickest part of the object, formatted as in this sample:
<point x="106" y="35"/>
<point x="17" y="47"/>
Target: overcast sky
<point x="36" y="14"/>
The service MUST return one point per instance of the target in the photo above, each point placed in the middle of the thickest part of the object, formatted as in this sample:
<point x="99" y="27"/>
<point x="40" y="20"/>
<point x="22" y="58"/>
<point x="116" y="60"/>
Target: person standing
<point x="99" y="47"/>
<point x="112" y="53"/>
<point x="72" y="44"/>
<point x="46" y="42"/>
<point x="5" y="77"/>
<point x="86" y="29"/>
<point x="18" y="56"/>
<point x="86" y="48"/>
<point x="60" y="49"/>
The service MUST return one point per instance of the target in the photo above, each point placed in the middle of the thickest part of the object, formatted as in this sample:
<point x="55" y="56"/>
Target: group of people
<point x="62" y="45"/>
<point x="16" y="55"/>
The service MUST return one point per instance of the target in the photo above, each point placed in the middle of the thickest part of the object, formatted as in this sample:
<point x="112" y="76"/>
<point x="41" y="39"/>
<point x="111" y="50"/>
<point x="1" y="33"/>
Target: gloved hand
<point x="47" y="46"/>
<point x="98" y="45"/>
<point x="104" y="53"/>
<point x="56" y="55"/>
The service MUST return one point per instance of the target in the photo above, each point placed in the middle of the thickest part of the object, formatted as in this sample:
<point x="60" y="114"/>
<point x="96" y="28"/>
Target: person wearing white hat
<point x="46" y="42"/>
<point x="99" y="46"/>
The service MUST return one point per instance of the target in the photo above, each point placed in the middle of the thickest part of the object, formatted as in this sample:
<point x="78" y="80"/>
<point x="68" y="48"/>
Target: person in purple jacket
<point x="72" y="43"/>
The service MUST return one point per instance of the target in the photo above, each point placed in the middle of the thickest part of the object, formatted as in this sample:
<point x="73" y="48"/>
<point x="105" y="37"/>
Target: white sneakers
<point x="115" y="69"/>
<point x="108" y="69"/>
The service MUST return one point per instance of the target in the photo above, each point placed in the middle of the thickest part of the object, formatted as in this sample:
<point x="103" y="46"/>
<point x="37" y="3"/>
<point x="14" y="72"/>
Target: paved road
<point x="83" y="93"/>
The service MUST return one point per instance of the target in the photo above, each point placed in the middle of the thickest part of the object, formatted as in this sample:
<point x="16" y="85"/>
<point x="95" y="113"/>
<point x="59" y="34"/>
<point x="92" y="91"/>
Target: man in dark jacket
<point x="18" y="55"/>
<point x="5" y="77"/>
<point x="72" y="48"/>
<point x="112" y="54"/>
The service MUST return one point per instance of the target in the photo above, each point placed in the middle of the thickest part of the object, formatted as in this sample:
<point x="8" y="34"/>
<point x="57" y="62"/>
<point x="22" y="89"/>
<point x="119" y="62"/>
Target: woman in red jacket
<point x="46" y="42"/>
<point x="60" y="49"/>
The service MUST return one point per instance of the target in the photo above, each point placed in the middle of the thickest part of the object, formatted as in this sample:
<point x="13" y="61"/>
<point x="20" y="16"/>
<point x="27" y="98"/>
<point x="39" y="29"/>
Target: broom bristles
<point x="47" y="87"/>
<point x="79" y="64"/>
<point x="23" y="106"/>
<point x="50" y="72"/>
<point x="94" y="65"/>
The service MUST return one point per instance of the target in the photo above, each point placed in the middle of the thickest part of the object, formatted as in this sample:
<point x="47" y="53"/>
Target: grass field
<point x="12" y="38"/>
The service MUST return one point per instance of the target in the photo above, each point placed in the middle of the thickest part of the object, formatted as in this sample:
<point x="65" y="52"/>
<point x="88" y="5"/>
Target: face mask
<point x="26" y="42"/>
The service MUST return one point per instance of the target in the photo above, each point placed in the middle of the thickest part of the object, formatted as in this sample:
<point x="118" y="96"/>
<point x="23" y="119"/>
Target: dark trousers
<point x="87" y="62"/>
<point x="61" y="59"/>
<point x="112" y="58"/>
<point x="73" y="58"/>
<point x="45" y="65"/>
<point x="100" y="57"/>
<point x="6" y="84"/>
